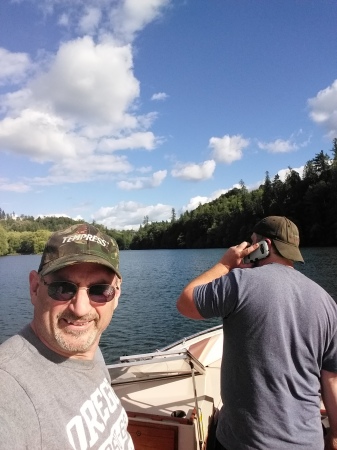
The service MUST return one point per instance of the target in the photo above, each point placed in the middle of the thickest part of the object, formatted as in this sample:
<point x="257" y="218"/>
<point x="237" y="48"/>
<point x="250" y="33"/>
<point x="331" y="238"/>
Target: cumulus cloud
<point x="90" y="20"/>
<point x="49" y="137"/>
<point x="89" y="168"/>
<point x="146" y="140"/>
<point x="278" y="146"/>
<point x="131" y="16"/>
<point x="194" y="172"/>
<point x="228" y="148"/>
<point x="130" y="215"/>
<point x="194" y="202"/>
<point x="79" y="108"/>
<point x="283" y="173"/>
<point x="14" y="67"/>
<point x="122" y="19"/>
<point x="159" y="96"/>
<point x="89" y="82"/>
<point x="323" y="109"/>
<point x="81" y="104"/>
<point x="144" y="182"/>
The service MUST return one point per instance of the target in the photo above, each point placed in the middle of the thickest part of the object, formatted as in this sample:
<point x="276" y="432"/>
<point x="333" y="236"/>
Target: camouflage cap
<point x="284" y="234"/>
<point x="78" y="244"/>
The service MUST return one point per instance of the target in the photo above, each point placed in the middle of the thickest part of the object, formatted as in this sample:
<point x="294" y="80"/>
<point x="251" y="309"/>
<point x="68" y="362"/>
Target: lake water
<point x="146" y="318"/>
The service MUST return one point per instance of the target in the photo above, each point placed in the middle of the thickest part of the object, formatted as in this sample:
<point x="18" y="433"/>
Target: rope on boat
<point x="199" y="418"/>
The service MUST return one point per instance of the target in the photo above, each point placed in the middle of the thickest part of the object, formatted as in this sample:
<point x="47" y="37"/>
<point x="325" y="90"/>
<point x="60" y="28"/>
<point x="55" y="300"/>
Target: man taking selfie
<point x="55" y="390"/>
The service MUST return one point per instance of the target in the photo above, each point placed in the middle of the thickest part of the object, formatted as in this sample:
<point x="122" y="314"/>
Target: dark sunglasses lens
<point x="62" y="290"/>
<point x="101" y="293"/>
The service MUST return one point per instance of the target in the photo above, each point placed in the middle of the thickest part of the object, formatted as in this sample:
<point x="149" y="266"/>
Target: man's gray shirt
<point x="51" y="402"/>
<point x="280" y="331"/>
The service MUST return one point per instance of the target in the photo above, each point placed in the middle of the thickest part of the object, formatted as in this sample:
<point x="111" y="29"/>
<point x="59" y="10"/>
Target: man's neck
<point x="275" y="259"/>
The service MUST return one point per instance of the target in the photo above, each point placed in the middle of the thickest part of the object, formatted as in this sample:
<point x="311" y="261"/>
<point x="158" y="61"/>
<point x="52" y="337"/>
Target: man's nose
<point x="80" y="303"/>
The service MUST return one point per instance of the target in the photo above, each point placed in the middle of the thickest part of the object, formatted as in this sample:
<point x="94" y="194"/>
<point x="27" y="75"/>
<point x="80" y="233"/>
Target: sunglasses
<point x="63" y="291"/>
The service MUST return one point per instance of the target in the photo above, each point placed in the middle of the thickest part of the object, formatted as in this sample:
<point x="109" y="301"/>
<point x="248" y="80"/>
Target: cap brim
<point x="60" y="263"/>
<point x="288" y="251"/>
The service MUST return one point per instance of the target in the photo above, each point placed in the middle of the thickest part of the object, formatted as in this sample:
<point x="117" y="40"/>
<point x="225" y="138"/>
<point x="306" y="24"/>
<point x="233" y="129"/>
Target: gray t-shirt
<point x="51" y="402"/>
<point x="280" y="330"/>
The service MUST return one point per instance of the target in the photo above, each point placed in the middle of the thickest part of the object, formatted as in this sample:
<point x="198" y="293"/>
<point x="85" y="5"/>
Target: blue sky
<point x="115" y="110"/>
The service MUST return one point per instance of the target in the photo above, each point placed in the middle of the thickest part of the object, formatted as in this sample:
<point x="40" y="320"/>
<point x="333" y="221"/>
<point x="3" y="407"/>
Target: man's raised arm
<point x="231" y="259"/>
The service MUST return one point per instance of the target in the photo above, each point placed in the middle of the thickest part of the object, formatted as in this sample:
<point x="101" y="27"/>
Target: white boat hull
<point x="180" y="380"/>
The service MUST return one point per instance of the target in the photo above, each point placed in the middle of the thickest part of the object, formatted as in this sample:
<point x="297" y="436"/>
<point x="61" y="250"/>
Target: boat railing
<point x="154" y="365"/>
<point x="208" y="331"/>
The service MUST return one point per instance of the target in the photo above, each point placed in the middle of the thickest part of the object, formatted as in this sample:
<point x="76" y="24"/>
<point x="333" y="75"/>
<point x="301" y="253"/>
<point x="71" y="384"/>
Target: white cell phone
<point x="260" y="253"/>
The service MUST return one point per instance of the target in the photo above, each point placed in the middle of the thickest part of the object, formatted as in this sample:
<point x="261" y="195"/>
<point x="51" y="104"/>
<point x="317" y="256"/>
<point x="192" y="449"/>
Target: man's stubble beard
<point x="80" y="346"/>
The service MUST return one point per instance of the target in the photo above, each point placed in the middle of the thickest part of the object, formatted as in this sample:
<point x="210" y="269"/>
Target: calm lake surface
<point x="146" y="318"/>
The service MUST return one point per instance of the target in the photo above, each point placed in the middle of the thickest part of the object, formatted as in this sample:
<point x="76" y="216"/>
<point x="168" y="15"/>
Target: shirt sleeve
<point x="330" y="357"/>
<point x="217" y="298"/>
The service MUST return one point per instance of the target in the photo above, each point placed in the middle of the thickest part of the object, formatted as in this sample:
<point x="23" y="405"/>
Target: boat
<point x="172" y="396"/>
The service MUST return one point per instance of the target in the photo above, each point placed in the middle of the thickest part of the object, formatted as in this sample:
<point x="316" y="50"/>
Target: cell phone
<point x="260" y="253"/>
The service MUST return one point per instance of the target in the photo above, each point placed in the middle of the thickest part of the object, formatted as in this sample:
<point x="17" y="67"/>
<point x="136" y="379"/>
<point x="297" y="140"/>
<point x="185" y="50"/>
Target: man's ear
<point x="34" y="278"/>
<point x="268" y="242"/>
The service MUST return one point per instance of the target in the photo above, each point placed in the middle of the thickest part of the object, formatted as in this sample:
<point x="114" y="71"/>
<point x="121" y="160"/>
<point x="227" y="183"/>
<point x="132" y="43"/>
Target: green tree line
<point x="310" y="201"/>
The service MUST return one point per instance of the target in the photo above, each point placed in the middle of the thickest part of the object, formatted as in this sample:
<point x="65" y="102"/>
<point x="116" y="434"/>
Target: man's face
<point x="72" y="328"/>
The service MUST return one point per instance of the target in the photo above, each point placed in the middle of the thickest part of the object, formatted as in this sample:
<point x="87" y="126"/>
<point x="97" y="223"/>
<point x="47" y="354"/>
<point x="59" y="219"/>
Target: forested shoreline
<point x="310" y="202"/>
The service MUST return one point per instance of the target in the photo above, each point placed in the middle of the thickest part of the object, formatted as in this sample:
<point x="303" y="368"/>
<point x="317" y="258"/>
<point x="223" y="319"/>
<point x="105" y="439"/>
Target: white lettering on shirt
<point x="101" y="420"/>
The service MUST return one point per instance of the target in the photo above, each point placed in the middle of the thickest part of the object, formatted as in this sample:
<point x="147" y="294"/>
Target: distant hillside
<point x="310" y="202"/>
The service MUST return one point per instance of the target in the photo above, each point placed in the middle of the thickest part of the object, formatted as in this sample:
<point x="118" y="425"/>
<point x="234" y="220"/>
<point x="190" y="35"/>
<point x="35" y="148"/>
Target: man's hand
<point x="234" y="255"/>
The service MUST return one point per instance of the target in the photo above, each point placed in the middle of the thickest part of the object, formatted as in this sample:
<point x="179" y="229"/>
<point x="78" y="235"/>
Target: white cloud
<point x="131" y="16"/>
<point x="130" y="215"/>
<point x="122" y="18"/>
<point x="90" y="83"/>
<point x="14" y="66"/>
<point x="88" y="167"/>
<point x="283" y="173"/>
<point x="144" y="169"/>
<point x="194" y="172"/>
<point x="48" y="140"/>
<point x="159" y="96"/>
<point x="81" y="104"/>
<point x="89" y="22"/>
<point x="278" y="146"/>
<point x="194" y="202"/>
<point x="64" y="20"/>
<point x="323" y="109"/>
<point x="144" y="182"/>
<point x="81" y="107"/>
<point x="145" y="140"/>
<point x="228" y="148"/>
<point x="18" y="187"/>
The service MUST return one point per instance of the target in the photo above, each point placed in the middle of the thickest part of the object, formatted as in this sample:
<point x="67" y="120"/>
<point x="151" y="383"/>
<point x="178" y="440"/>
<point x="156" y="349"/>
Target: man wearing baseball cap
<point x="280" y="343"/>
<point x="55" y="387"/>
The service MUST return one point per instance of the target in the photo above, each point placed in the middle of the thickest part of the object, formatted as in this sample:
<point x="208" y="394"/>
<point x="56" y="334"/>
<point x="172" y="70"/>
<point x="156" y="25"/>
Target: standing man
<point x="280" y="344"/>
<point x="55" y="390"/>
